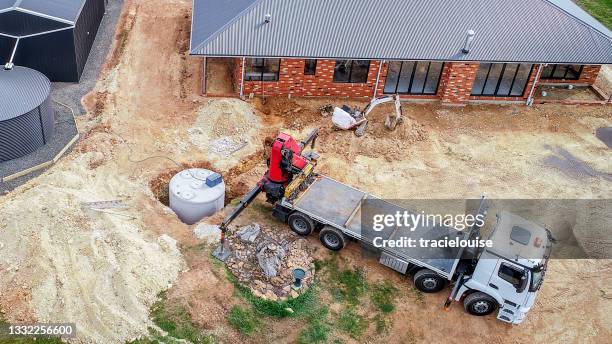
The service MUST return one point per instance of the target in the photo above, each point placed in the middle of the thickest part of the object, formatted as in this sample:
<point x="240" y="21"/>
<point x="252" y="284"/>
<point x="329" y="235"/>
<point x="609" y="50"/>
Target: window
<point x="262" y="69"/>
<point x="351" y="71"/>
<point x="520" y="235"/>
<point x="568" y="72"/>
<point x="510" y="274"/>
<point x="310" y="67"/>
<point x="501" y="79"/>
<point x="407" y="77"/>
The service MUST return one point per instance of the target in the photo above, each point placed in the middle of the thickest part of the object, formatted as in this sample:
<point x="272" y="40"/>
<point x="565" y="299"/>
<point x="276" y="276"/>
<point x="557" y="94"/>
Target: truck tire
<point x="300" y="223"/>
<point x="428" y="281"/>
<point x="332" y="238"/>
<point x="479" y="304"/>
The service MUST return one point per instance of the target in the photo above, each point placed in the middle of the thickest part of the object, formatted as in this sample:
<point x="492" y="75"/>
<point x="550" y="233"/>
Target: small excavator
<point x="290" y="171"/>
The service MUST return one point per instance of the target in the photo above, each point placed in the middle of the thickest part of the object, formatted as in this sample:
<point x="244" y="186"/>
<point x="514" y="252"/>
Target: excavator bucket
<point x="222" y="252"/>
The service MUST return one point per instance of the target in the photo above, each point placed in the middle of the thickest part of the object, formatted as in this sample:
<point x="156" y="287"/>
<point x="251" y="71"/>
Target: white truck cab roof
<point x="519" y="240"/>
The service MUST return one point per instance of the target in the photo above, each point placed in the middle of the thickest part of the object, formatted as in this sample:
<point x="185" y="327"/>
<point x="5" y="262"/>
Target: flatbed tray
<point x="337" y="204"/>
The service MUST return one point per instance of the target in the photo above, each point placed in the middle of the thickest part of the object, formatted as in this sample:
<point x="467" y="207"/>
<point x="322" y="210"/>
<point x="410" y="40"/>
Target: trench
<point x="234" y="187"/>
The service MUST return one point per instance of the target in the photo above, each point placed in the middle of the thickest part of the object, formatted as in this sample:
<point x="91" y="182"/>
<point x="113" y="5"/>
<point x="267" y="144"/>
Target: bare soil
<point x="139" y="132"/>
<point x="219" y="77"/>
<point x="563" y="93"/>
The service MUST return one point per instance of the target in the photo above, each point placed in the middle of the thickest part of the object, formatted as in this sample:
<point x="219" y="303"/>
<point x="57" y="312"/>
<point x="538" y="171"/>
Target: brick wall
<point x="457" y="81"/>
<point x="292" y="81"/>
<point x="455" y="86"/>
<point x="588" y="76"/>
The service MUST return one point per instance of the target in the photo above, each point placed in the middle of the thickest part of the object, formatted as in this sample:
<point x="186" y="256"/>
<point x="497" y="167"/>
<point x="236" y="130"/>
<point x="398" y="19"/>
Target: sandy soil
<point x="146" y="117"/>
<point x="219" y="78"/>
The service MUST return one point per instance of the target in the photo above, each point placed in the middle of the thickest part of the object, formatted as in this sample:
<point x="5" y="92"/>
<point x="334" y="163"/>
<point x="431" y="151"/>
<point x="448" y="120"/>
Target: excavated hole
<point x="233" y="188"/>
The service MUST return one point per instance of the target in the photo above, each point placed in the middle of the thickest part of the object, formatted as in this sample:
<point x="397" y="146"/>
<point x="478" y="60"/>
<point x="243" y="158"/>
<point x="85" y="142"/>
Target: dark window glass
<point x="433" y="78"/>
<point x="501" y="79"/>
<point x="506" y="81"/>
<point x="403" y="85"/>
<point x="262" y="69"/>
<point x="310" y="67"/>
<point x="547" y="72"/>
<point x="510" y="274"/>
<point x="573" y="72"/>
<point x="560" y="72"/>
<point x="569" y="72"/>
<point x="520" y="81"/>
<point x="353" y="71"/>
<point x="493" y="78"/>
<point x="481" y="78"/>
<point x="407" y="77"/>
<point x="418" y="81"/>
<point x="393" y="74"/>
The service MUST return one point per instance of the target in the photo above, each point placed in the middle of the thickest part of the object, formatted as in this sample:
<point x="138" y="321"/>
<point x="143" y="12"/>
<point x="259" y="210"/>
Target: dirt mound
<point x="64" y="261"/>
<point x="263" y="260"/>
<point x="224" y="126"/>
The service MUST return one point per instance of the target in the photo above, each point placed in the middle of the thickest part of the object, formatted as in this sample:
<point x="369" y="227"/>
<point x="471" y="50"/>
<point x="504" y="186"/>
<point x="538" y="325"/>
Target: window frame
<point x="249" y="74"/>
<point x="412" y="76"/>
<point x="314" y="67"/>
<point x="499" y="80"/>
<point x="514" y="269"/>
<point x="350" y="73"/>
<point x="565" y="76"/>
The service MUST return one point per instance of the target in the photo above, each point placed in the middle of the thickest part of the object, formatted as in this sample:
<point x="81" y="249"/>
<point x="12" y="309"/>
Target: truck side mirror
<point x="523" y="283"/>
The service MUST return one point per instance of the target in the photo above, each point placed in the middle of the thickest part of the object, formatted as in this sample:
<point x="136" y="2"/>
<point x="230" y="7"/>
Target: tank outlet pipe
<point x="9" y="64"/>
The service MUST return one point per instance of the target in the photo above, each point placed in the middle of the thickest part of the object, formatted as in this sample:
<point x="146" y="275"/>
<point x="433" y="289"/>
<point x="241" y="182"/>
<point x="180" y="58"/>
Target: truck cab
<point x="508" y="275"/>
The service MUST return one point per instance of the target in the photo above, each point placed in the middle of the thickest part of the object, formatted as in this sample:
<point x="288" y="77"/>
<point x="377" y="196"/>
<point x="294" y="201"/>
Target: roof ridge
<point x="226" y="25"/>
<point x="582" y="22"/>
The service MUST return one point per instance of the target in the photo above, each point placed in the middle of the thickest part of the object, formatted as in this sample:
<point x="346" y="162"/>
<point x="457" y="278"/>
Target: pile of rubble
<point x="264" y="259"/>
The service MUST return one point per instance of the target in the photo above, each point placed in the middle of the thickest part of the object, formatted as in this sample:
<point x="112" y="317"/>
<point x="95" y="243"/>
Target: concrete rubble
<point x="263" y="260"/>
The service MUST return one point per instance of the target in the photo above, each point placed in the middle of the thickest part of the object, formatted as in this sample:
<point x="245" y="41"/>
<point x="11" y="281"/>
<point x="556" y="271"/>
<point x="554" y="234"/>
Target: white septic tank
<point x="196" y="193"/>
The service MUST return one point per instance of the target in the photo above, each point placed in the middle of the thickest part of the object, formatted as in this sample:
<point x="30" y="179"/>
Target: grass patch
<point x="316" y="332"/>
<point x="352" y="323"/>
<point x="346" y="285"/>
<point x="243" y="320"/>
<point x="381" y="323"/>
<point x="383" y="296"/>
<point x="173" y="318"/>
<point x="600" y="9"/>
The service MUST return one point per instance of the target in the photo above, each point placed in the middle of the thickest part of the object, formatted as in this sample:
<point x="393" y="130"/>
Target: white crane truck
<point x="505" y="277"/>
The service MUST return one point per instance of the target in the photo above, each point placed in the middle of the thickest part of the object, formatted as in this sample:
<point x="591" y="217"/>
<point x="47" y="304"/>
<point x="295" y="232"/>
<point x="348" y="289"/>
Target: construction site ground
<point x="61" y="261"/>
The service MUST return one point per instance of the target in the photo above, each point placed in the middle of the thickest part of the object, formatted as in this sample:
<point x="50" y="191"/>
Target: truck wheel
<point x="428" y="281"/>
<point x="332" y="238"/>
<point x="300" y="223"/>
<point x="479" y="304"/>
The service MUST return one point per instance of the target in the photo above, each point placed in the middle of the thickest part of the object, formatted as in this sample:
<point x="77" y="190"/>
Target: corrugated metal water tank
<point x="26" y="113"/>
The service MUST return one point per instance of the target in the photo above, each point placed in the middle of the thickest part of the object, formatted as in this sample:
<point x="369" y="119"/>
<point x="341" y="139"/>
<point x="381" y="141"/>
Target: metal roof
<point x="547" y="31"/>
<point x="21" y="90"/>
<point x="66" y="11"/>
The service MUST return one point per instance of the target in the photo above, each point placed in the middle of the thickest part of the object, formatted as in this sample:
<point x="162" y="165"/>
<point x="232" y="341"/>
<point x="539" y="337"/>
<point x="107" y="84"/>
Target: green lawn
<point x="600" y="9"/>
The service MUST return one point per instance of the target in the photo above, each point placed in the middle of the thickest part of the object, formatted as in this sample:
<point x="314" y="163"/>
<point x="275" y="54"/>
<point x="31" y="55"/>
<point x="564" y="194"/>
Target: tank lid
<point x="21" y="91"/>
<point x="191" y="185"/>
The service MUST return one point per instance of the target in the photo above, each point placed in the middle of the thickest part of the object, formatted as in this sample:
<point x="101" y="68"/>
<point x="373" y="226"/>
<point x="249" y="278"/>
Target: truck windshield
<point x="537" y="273"/>
<point x="536" y="280"/>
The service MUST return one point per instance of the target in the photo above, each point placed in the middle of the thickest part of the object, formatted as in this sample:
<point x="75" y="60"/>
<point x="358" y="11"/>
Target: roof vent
<point x="268" y="18"/>
<point x="468" y="41"/>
